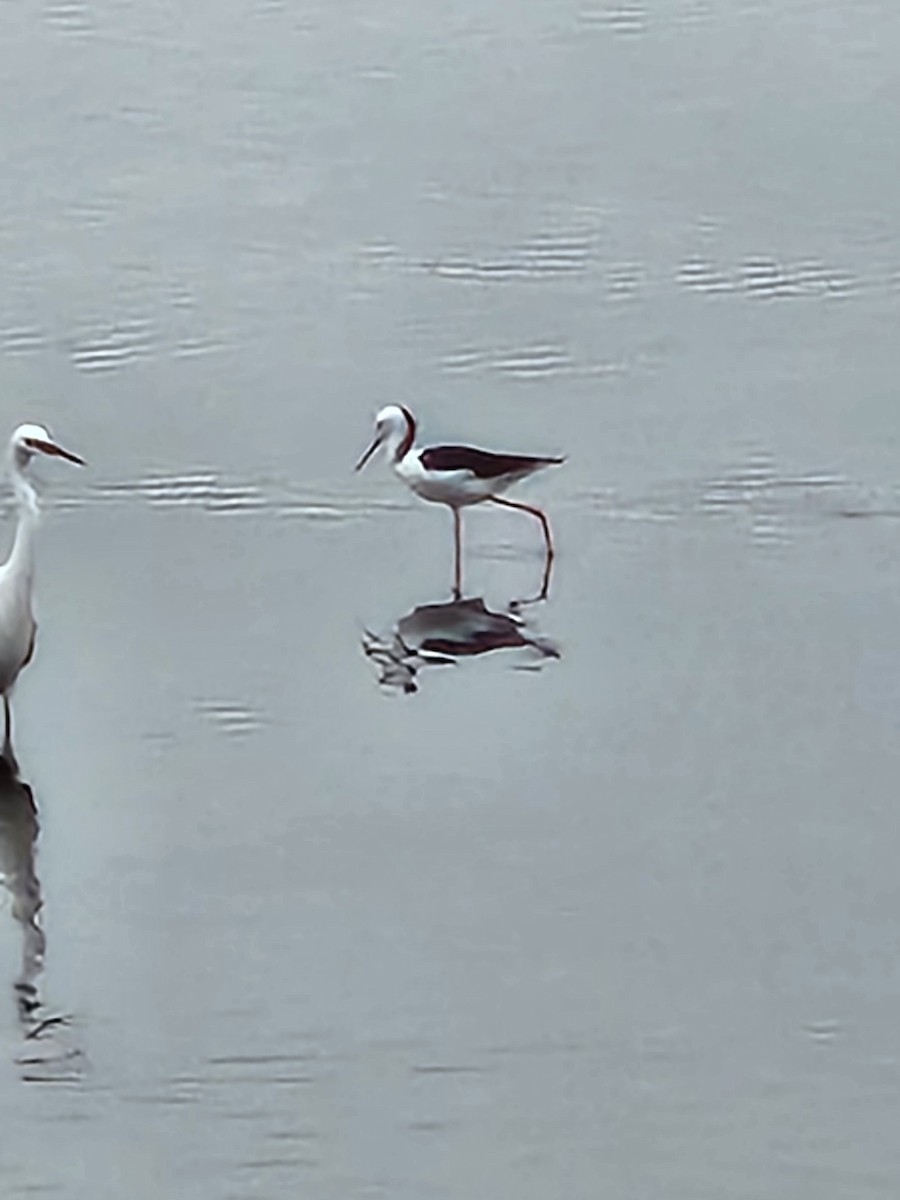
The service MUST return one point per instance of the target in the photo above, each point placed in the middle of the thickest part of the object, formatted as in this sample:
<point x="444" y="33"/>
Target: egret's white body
<point x="17" y="624"/>
<point x="457" y="476"/>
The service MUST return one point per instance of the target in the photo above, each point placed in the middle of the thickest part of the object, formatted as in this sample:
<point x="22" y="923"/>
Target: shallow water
<point x="608" y="909"/>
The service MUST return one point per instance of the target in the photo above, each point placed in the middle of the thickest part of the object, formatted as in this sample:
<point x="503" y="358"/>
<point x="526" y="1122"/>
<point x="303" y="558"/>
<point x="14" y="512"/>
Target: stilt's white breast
<point x="456" y="488"/>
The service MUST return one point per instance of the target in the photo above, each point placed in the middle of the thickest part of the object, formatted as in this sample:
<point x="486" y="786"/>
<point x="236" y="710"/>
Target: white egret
<point x="17" y="625"/>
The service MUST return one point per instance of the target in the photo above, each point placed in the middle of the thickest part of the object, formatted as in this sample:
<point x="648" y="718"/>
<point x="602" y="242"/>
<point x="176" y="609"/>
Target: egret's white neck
<point x="21" y="559"/>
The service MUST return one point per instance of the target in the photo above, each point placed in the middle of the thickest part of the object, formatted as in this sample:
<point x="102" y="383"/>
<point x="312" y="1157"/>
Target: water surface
<point x="614" y="919"/>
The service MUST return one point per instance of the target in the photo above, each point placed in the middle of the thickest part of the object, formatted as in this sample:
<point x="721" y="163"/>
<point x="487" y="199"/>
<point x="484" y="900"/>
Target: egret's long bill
<point x="379" y="438"/>
<point x="51" y="448"/>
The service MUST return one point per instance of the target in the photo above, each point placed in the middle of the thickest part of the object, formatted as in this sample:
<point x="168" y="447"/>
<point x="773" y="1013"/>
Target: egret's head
<point x="29" y="440"/>
<point x="395" y="427"/>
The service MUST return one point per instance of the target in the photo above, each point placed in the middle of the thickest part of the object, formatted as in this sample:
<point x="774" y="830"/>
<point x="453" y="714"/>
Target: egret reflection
<point x="442" y="634"/>
<point x="19" y="830"/>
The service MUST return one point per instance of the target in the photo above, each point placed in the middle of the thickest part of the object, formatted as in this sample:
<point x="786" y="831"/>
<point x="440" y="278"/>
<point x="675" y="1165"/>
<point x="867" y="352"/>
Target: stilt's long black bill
<point x="368" y="454"/>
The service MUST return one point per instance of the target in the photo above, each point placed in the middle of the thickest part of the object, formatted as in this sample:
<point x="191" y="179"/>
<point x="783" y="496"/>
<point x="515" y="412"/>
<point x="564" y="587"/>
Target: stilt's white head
<point x="395" y="429"/>
<point x="29" y="440"/>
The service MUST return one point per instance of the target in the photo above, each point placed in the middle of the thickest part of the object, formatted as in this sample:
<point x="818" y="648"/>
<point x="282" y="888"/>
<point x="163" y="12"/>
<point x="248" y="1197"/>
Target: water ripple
<point x="68" y="16"/>
<point x="245" y="1060"/>
<point x="625" y="281"/>
<point x="699" y="275"/>
<point x="626" y="17"/>
<point x="256" y="1164"/>
<point x="108" y="349"/>
<point x="267" y="1079"/>
<point x="200" y="489"/>
<point x="193" y="346"/>
<point x="822" y="1031"/>
<point x="212" y="493"/>
<point x="776" y="503"/>
<point x="768" y="278"/>
<point x="449" y="1069"/>
<point x="23" y="339"/>
<point x="93" y="211"/>
<point x="545" y="255"/>
<point x="540" y="361"/>
<point x="231" y="718"/>
<point x="533" y="360"/>
<point x="248" y="1077"/>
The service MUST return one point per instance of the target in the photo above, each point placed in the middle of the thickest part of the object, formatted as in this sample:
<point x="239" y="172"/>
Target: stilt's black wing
<point x="482" y="463"/>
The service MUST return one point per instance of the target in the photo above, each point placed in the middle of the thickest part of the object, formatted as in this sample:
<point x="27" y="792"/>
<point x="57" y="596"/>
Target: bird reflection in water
<point x="19" y="829"/>
<point x="442" y="634"/>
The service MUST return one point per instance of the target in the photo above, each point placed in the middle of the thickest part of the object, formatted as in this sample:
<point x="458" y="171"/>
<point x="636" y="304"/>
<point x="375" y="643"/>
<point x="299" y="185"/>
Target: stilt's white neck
<point x="394" y="445"/>
<point x="400" y="438"/>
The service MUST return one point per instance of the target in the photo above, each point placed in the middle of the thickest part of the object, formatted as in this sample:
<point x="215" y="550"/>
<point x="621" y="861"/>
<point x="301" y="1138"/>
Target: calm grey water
<point x="611" y="913"/>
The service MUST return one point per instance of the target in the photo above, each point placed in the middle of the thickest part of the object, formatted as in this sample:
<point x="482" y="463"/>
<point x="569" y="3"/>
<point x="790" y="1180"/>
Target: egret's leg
<point x="457" y="544"/>
<point x="548" y="538"/>
<point x="7" y="740"/>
